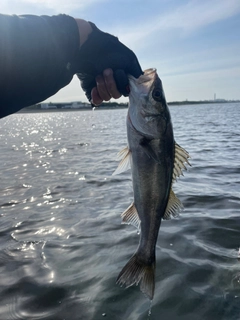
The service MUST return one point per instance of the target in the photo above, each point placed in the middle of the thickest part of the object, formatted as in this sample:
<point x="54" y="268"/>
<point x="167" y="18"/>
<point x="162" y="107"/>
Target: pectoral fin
<point x="125" y="163"/>
<point x="174" y="206"/>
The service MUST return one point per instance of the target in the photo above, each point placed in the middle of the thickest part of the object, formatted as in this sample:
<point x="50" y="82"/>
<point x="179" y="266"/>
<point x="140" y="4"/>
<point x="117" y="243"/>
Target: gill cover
<point x="148" y="110"/>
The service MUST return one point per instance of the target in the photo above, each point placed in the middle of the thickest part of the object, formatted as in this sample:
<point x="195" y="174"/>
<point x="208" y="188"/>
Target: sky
<point x="193" y="44"/>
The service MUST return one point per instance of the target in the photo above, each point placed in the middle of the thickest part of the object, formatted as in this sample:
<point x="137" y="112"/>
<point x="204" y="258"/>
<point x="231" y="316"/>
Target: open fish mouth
<point x="149" y="74"/>
<point x="144" y="83"/>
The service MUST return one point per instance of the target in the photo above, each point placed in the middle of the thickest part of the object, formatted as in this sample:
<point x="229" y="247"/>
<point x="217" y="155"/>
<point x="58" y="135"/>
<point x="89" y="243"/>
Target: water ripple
<point x="62" y="243"/>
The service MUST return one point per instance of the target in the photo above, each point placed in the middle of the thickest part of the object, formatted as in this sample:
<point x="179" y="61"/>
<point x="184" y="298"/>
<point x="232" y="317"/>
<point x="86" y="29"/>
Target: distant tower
<point x="214" y="96"/>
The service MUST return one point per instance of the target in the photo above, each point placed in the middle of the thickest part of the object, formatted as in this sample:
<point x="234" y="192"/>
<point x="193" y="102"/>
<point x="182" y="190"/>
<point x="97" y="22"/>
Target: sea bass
<point x="156" y="161"/>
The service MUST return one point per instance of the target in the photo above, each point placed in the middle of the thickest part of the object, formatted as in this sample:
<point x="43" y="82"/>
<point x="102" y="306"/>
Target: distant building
<point x="80" y="105"/>
<point x="220" y="100"/>
<point x="65" y="105"/>
<point x="48" y="106"/>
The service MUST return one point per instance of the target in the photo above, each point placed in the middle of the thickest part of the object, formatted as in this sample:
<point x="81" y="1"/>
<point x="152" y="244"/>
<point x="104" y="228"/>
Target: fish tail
<point x="135" y="272"/>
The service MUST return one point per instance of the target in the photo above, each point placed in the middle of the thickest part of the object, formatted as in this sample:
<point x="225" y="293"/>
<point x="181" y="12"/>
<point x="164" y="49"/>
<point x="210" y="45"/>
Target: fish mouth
<point x="149" y="75"/>
<point x="145" y="82"/>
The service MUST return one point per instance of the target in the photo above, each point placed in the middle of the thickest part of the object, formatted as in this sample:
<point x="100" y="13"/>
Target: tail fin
<point x="135" y="272"/>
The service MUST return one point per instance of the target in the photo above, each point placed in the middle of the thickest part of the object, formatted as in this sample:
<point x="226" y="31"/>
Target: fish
<point x="156" y="162"/>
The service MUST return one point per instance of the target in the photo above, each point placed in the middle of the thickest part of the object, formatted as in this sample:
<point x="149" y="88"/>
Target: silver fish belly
<point x="156" y="161"/>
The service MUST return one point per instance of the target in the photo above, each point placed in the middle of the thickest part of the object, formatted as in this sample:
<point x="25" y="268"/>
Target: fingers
<point x="96" y="99"/>
<point x="122" y="82"/>
<point x="111" y="84"/>
<point x="102" y="88"/>
<point x="106" y="88"/>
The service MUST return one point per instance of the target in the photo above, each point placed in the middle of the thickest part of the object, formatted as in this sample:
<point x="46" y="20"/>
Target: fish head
<point x="148" y="110"/>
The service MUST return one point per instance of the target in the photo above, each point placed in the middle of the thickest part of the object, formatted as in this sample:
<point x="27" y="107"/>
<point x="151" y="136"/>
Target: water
<point x="62" y="244"/>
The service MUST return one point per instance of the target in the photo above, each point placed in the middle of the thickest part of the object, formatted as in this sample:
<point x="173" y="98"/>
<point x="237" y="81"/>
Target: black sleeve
<point x="37" y="58"/>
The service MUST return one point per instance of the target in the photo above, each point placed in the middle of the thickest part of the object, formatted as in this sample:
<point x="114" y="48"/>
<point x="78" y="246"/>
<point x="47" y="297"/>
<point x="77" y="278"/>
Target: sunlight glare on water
<point x="62" y="242"/>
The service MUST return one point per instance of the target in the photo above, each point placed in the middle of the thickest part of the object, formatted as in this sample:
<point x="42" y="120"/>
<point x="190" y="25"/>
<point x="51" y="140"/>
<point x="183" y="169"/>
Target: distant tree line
<point x="125" y="105"/>
<point x="34" y="107"/>
<point x="201" y="102"/>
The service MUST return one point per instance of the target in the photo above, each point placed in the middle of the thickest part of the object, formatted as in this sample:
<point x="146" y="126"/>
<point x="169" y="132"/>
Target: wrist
<point x="84" y="29"/>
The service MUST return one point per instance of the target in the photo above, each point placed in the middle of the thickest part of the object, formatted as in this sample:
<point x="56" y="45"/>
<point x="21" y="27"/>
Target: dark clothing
<point x="37" y="58"/>
<point x="101" y="51"/>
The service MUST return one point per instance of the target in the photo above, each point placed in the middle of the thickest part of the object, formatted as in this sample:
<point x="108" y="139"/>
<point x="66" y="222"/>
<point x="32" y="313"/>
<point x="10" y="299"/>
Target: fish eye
<point x="157" y="94"/>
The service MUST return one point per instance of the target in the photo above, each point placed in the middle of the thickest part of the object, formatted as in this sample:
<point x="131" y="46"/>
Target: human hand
<point x="103" y="67"/>
<point x="105" y="88"/>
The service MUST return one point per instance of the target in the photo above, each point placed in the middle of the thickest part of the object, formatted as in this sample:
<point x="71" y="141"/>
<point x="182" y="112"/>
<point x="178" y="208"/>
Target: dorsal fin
<point x="125" y="163"/>
<point x="181" y="157"/>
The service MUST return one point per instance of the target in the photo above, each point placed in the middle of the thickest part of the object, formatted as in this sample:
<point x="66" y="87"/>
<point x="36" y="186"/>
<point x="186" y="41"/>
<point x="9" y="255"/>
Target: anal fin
<point x="174" y="206"/>
<point x="130" y="216"/>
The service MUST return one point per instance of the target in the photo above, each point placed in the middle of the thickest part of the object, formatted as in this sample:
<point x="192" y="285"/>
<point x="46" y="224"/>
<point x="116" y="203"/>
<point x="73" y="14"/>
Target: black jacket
<point x="37" y="58"/>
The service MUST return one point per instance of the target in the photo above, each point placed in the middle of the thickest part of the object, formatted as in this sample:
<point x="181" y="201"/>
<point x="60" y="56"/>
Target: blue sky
<point x="194" y="44"/>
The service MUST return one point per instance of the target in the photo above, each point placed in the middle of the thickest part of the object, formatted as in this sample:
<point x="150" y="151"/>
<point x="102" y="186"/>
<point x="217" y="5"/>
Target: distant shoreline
<point x="178" y="103"/>
<point x="29" y="110"/>
<point x="112" y="106"/>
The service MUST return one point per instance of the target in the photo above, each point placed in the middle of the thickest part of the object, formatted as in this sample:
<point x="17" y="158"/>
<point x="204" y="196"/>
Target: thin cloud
<point x="55" y="6"/>
<point x="196" y="14"/>
<point x="186" y="19"/>
<point x="64" y="5"/>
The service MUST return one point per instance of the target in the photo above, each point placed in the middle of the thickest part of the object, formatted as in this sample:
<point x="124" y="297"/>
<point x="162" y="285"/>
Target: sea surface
<point x="62" y="243"/>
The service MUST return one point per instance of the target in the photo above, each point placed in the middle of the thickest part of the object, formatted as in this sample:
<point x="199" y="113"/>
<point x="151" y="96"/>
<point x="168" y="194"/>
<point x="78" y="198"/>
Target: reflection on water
<point x="62" y="243"/>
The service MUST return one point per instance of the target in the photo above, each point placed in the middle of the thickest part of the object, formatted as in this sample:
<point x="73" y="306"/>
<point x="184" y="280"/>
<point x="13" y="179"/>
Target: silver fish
<point x="156" y="161"/>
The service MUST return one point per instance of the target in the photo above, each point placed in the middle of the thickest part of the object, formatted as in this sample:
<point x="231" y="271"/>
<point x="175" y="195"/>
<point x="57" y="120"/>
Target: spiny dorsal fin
<point x="124" y="165"/>
<point x="130" y="216"/>
<point x="181" y="156"/>
<point x="174" y="206"/>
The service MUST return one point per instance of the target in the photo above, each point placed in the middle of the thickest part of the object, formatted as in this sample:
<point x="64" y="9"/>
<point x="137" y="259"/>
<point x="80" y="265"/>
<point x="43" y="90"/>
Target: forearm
<point x="84" y="29"/>
<point x="37" y="58"/>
